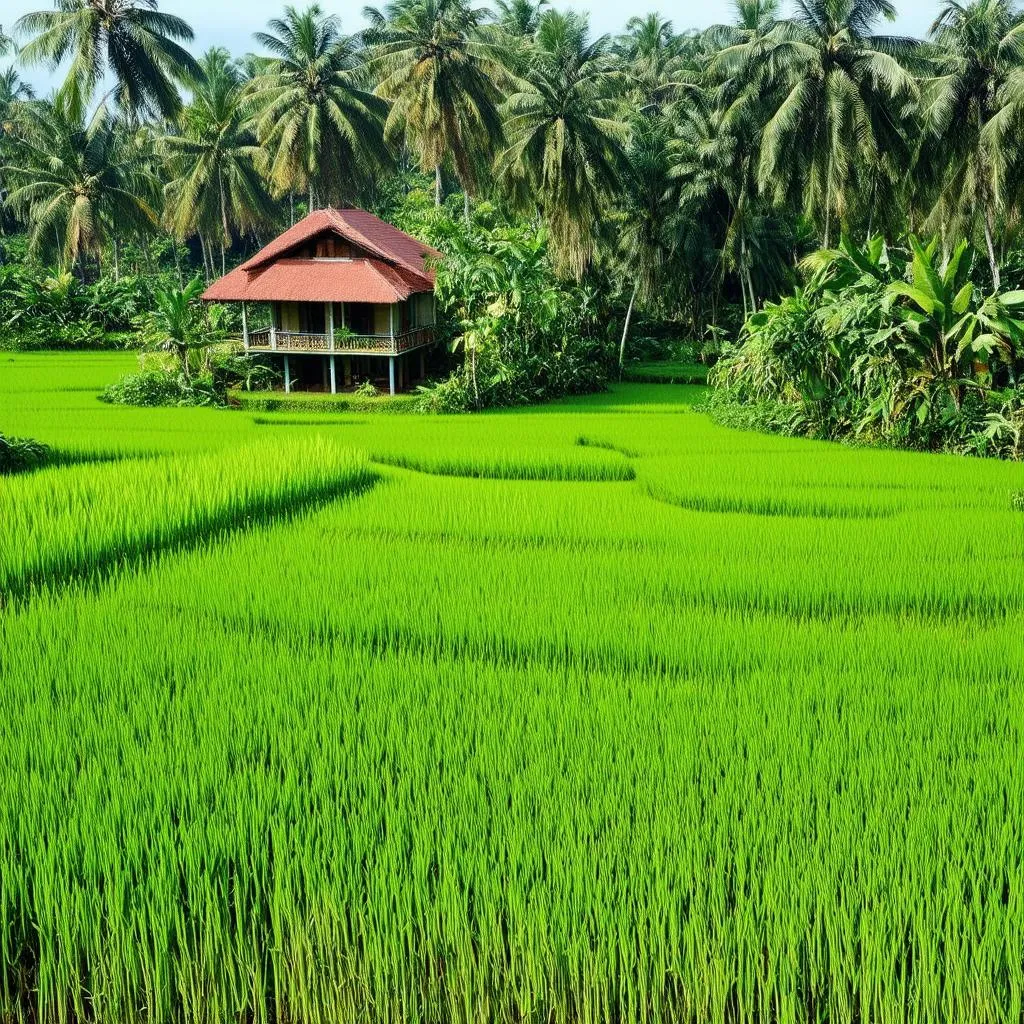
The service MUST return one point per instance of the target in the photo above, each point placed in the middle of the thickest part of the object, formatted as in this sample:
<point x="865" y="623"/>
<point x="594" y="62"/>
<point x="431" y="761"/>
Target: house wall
<point x="423" y="314"/>
<point x="381" y="319"/>
<point x="289" y="313"/>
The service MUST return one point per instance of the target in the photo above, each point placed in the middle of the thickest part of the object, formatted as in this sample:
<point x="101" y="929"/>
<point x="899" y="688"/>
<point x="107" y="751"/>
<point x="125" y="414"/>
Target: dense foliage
<point x="45" y="308"/>
<point x="526" y="333"/>
<point x="885" y="345"/>
<point x="673" y="181"/>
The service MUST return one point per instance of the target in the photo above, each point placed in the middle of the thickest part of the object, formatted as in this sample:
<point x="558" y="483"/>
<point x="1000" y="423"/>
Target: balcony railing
<point x="271" y="339"/>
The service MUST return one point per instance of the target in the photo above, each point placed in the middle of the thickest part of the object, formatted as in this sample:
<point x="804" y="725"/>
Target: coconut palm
<point x="216" y="188"/>
<point x="973" y="109"/>
<point x="13" y="89"/>
<point x="520" y="18"/>
<point x="442" y="76"/>
<point x="653" y="62"/>
<point x="840" y="97"/>
<point x="129" y="40"/>
<point x="645" y="241"/>
<point x="565" y="135"/>
<point x="74" y="179"/>
<point x="312" y="109"/>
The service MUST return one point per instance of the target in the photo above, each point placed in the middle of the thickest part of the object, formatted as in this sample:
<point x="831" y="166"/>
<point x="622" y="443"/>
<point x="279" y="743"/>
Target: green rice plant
<point x="499" y="464"/>
<point x="75" y="519"/>
<point x="500" y="746"/>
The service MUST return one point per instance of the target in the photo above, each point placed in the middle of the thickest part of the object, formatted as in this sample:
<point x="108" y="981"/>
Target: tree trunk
<point x="117" y="260"/>
<point x="625" y="330"/>
<point x="206" y="265"/>
<point x="177" y="262"/>
<point x="437" y="185"/>
<point x="291" y="206"/>
<point x="742" y="270"/>
<point x="311" y="197"/>
<point x="750" y="287"/>
<point x="992" y="262"/>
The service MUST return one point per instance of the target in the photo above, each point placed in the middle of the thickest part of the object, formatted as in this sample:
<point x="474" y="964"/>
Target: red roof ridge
<point x="387" y="243"/>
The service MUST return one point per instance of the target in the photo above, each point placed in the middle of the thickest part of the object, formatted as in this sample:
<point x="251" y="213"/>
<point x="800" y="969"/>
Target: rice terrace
<point x="512" y="514"/>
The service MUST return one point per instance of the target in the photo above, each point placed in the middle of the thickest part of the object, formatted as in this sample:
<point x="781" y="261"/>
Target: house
<point x="351" y="298"/>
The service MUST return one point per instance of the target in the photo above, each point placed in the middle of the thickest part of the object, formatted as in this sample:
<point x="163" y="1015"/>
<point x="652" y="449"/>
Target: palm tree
<point x="321" y="125"/>
<point x="653" y="61"/>
<point x="443" y="79"/>
<point x="645" y="240"/>
<point x="179" y="324"/>
<point x="973" y="110"/>
<point x="565" y="136"/>
<point x="13" y="91"/>
<point x="130" y="40"/>
<point x="75" y="179"/>
<point x="216" y="188"/>
<point x="520" y="18"/>
<point x="841" y="98"/>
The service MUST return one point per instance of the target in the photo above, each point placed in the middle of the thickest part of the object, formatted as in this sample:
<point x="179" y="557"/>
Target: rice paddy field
<point x="593" y="712"/>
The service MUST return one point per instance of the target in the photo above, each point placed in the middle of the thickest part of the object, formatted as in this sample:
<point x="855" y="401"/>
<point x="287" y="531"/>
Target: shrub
<point x="163" y="387"/>
<point x="883" y="348"/>
<point x="447" y="396"/>
<point x="524" y="334"/>
<point x="18" y="454"/>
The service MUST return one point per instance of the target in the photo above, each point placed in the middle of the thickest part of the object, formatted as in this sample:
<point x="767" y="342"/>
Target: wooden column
<point x="391" y="359"/>
<point x="330" y="342"/>
<point x="287" y="376"/>
<point x="245" y="327"/>
<point x="346" y="372"/>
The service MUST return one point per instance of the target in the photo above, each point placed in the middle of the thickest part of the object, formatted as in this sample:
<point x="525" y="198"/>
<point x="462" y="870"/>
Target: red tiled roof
<point x="318" y="280"/>
<point x="357" y="226"/>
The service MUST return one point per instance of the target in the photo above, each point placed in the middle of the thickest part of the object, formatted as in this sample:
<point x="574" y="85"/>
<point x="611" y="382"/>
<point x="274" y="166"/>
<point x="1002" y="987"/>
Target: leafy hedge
<point x="273" y="401"/>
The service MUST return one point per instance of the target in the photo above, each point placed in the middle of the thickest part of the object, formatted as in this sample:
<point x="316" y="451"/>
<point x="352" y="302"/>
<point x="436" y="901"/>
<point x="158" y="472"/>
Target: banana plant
<point x="948" y="340"/>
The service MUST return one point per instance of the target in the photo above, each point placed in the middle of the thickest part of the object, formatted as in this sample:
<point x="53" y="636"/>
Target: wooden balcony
<point x="271" y="339"/>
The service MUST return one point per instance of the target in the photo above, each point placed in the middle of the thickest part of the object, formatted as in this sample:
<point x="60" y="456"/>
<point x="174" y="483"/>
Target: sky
<point x="230" y="23"/>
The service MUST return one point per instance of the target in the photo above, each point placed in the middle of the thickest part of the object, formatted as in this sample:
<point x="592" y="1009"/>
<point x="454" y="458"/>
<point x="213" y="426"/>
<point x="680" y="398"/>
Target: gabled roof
<point x="362" y="228"/>
<point x="395" y="267"/>
<point x="307" y="280"/>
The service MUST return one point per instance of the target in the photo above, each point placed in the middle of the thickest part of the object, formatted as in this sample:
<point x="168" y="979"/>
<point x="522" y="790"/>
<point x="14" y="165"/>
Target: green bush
<point x="447" y="396"/>
<point x="890" y="347"/>
<point x="163" y="387"/>
<point x="18" y="454"/>
<point x="524" y="334"/>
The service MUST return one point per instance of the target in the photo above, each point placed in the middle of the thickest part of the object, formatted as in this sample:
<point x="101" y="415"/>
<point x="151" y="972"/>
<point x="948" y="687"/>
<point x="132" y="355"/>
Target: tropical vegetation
<point x="675" y="187"/>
